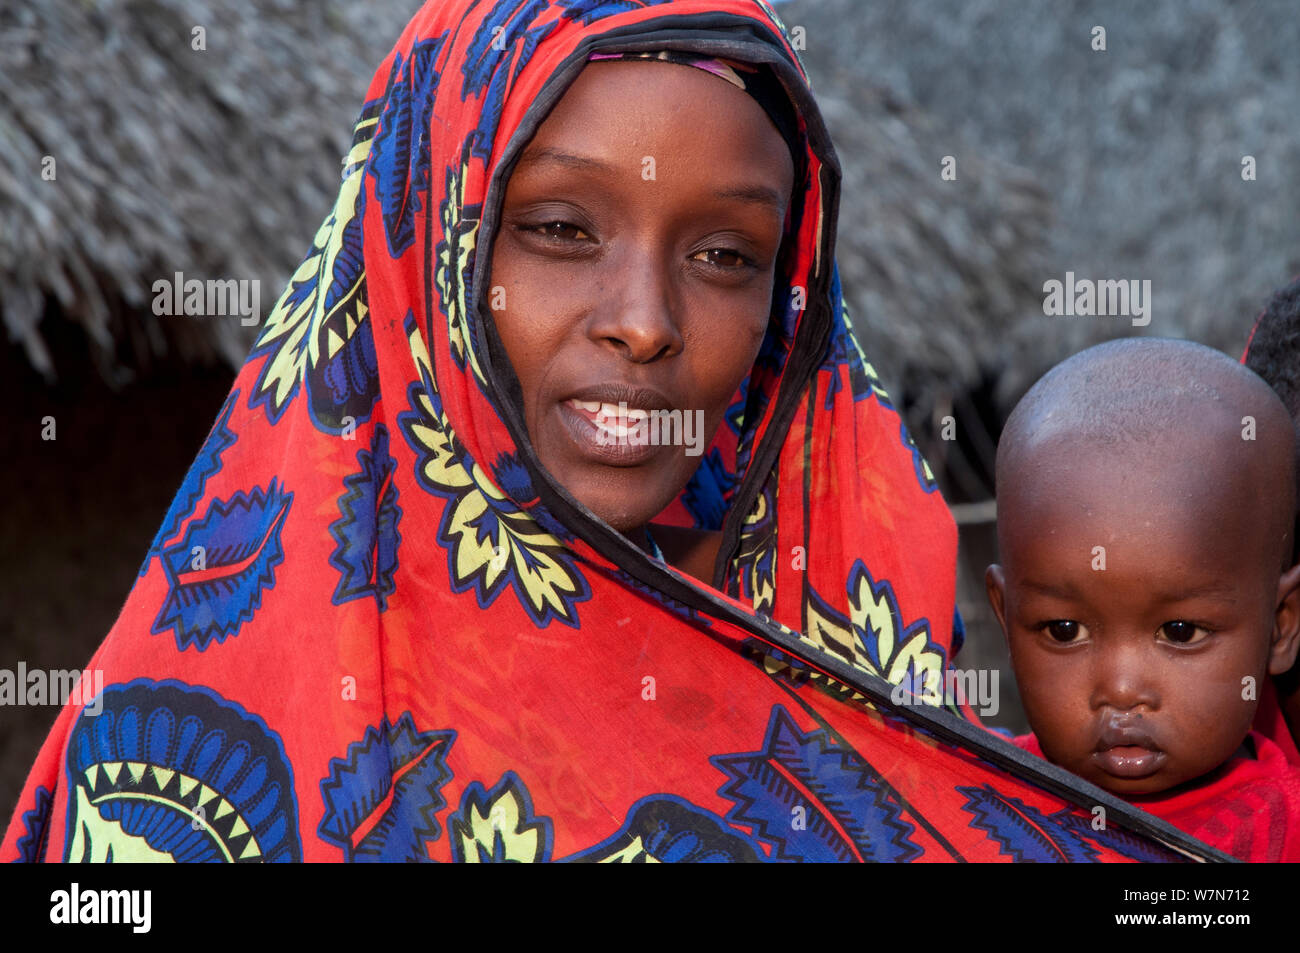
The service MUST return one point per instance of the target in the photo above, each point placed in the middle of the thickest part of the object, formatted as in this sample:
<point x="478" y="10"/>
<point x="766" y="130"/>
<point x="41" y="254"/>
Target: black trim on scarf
<point x="806" y="491"/>
<point x="748" y="40"/>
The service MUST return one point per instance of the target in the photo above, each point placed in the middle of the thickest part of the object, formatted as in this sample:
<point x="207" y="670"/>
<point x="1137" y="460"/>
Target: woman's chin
<point x="624" y="490"/>
<point x="621" y="513"/>
<point x="625" y="498"/>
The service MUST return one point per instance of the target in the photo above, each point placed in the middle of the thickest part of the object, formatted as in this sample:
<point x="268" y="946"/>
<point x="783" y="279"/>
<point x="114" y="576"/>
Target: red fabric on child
<point x="1271" y="723"/>
<point x="1248" y="807"/>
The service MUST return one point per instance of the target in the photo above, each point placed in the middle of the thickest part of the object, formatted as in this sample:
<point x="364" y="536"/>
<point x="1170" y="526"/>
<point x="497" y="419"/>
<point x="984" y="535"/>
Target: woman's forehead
<point x="756" y="80"/>
<point x="616" y="106"/>
<point x="689" y="126"/>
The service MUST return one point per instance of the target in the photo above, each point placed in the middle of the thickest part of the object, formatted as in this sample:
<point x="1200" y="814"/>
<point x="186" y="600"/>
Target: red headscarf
<point x="372" y="627"/>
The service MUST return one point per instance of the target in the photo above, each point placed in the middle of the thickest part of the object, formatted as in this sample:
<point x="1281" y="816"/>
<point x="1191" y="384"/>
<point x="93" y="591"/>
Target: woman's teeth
<point x="615" y="420"/>
<point x="612" y="411"/>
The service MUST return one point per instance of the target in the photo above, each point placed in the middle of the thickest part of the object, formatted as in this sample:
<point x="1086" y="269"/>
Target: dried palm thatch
<point x="1166" y="157"/>
<point x="937" y="271"/>
<point x="186" y="136"/>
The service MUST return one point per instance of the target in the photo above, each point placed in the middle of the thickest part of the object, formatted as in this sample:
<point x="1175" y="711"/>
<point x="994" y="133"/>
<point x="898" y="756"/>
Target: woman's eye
<point x="1065" y="630"/>
<point x="723" y="258"/>
<point x="560" y="231"/>
<point x="1183" y="633"/>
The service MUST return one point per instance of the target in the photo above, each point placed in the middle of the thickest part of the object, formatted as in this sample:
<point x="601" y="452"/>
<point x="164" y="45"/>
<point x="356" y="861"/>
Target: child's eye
<point x="1065" y="630"/>
<point x="1183" y="633"/>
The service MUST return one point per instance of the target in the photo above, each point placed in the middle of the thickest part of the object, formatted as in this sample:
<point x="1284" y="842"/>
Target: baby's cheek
<point x="1049" y="716"/>
<point x="1209" y="715"/>
<point x="1055" y="698"/>
<point x="1224" y="696"/>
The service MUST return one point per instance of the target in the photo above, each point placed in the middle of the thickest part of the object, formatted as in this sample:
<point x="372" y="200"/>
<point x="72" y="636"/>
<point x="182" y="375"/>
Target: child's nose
<point x="1122" y="680"/>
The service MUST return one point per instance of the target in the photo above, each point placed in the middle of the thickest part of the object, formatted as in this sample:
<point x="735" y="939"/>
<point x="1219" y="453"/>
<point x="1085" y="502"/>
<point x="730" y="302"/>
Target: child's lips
<point x="1127" y="750"/>
<point x="1129" y="761"/>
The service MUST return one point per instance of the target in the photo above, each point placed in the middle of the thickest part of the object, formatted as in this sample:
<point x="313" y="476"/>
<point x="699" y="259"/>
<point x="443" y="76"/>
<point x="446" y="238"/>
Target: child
<point x="1146" y="494"/>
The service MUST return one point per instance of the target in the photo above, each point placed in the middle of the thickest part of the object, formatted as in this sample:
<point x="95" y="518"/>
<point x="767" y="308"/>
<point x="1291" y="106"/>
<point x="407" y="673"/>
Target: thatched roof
<point x="217" y="163"/>
<point x="1139" y="148"/>
<point x="937" y="272"/>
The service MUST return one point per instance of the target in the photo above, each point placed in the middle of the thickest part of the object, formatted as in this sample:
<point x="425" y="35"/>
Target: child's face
<point x="1141" y="605"/>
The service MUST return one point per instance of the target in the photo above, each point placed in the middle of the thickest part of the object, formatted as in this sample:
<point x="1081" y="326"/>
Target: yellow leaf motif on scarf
<point x="757" y="555"/>
<point x="830" y="635"/>
<point x="870" y="637"/>
<point x="299" y="324"/>
<point x="459" y="236"/>
<point x="873" y="379"/>
<point x="874" y="615"/>
<point x="929" y="474"/>
<point x="498" y="828"/>
<point x="493" y="542"/>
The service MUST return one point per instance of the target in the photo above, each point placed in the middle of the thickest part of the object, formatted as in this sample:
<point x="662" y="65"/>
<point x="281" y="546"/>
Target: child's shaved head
<point x="1157" y="401"/>
<point x="1146" y="492"/>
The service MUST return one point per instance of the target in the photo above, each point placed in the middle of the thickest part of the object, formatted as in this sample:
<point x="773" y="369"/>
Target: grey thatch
<point x="217" y="162"/>
<point x="1140" y="147"/>
<point x="936" y="271"/>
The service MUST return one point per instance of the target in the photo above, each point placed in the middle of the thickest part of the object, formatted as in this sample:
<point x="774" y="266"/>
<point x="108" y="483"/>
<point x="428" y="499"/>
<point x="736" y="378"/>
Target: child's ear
<point x="1286" y="624"/>
<point x="995" y="584"/>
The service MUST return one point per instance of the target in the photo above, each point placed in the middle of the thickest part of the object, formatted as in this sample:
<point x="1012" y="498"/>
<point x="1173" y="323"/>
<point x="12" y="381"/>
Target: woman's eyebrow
<point x="753" y="194"/>
<point x="548" y="154"/>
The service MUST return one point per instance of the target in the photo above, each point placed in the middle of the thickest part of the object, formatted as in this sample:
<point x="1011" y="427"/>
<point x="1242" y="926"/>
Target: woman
<point x="426" y="592"/>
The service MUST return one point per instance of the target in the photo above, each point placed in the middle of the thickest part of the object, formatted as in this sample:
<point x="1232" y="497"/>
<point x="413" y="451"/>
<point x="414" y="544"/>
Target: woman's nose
<point x="1122" y="679"/>
<point x="638" y="314"/>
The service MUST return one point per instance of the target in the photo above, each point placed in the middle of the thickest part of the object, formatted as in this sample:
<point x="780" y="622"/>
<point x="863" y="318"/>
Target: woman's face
<point x="634" y="264"/>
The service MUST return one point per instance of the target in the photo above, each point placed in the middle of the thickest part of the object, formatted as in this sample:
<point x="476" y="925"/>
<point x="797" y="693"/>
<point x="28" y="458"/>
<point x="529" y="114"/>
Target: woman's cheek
<point x="529" y="307"/>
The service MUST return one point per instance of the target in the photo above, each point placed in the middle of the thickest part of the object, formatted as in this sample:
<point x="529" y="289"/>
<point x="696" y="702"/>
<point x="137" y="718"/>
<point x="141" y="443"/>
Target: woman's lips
<point x="616" y="421"/>
<point x="603" y="434"/>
